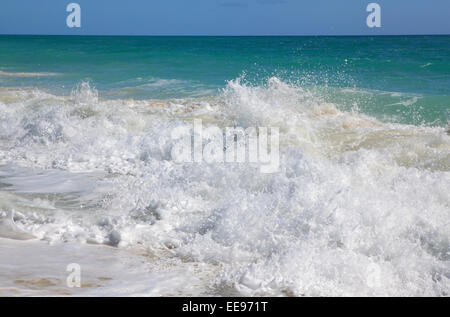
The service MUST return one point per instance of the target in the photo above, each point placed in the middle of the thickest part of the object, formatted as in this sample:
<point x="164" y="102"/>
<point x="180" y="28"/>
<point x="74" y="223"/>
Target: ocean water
<point x="359" y="206"/>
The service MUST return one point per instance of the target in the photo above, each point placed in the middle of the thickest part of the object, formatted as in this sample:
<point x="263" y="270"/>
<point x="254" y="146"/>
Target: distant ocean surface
<point x="403" y="78"/>
<point x="360" y="205"/>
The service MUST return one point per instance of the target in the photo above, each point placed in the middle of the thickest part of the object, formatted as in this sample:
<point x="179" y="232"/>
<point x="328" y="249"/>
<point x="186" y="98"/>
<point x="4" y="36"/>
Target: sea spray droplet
<point x="84" y="93"/>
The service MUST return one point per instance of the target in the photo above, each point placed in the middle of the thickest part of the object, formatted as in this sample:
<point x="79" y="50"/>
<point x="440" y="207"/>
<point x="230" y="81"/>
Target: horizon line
<point x="227" y="35"/>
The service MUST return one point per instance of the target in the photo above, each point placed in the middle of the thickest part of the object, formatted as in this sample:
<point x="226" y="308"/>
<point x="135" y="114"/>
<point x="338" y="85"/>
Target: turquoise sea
<point x="407" y="77"/>
<point x="358" y="205"/>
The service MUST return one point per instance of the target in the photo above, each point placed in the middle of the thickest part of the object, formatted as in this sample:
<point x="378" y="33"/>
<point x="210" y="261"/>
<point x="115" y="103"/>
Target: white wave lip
<point x="359" y="207"/>
<point x="25" y="74"/>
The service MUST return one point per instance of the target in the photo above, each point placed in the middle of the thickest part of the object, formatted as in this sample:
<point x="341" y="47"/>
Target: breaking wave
<point x="359" y="207"/>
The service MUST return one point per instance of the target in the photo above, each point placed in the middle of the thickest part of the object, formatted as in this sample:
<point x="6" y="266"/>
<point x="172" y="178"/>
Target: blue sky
<point x="225" y="17"/>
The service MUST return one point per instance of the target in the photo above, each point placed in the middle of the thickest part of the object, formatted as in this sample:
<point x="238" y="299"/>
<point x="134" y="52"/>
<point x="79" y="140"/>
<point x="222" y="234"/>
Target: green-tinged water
<point x="395" y="78"/>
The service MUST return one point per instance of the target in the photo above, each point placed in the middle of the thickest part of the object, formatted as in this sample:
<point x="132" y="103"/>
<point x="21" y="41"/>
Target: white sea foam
<point x="352" y="194"/>
<point x="24" y="74"/>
